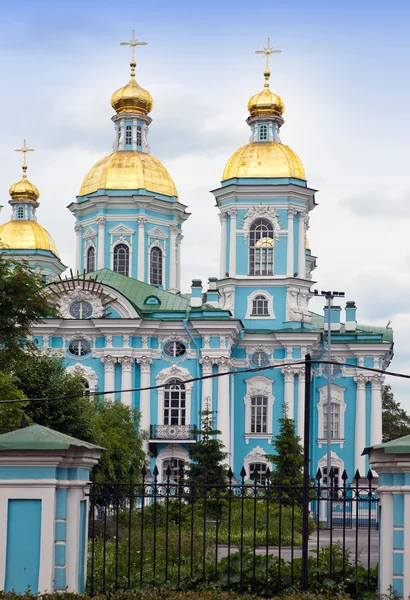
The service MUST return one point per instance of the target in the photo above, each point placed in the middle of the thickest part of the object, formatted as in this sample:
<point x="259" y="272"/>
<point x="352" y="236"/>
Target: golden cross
<point x="133" y="42"/>
<point x="24" y="150"/>
<point x="268" y="51"/>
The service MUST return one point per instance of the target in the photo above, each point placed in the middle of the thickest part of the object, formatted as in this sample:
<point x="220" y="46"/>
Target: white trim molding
<point x="256" y="455"/>
<point x="337" y="397"/>
<point x="86" y="373"/>
<point x="171" y="451"/>
<point x="259" y="385"/>
<point x="261" y="212"/>
<point x="166" y="375"/>
<point x="157" y="244"/>
<point x="249" y="307"/>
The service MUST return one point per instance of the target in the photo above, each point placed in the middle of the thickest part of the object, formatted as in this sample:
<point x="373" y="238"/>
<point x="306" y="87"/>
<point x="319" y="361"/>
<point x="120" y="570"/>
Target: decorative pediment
<point x="261" y="212"/>
<point x="89" y="233"/>
<point x="121" y="230"/>
<point x="77" y="295"/>
<point x="157" y="233"/>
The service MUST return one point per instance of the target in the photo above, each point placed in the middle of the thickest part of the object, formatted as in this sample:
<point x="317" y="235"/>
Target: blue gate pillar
<point x="43" y="506"/>
<point x="391" y="460"/>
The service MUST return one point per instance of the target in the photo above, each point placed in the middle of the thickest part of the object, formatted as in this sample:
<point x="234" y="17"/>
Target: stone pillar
<point x="222" y="269"/>
<point x="360" y="425"/>
<point x="302" y="247"/>
<point x="290" y="260"/>
<point x="142" y="219"/>
<point x="179" y="239"/>
<point x="289" y="379"/>
<point x="78" y="229"/>
<point x="206" y="363"/>
<point x="232" y="242"/>
<point x="44" y="508"/>
<point x="376" y="411"/>
<point x="109" y="375"/>
<point x="145" y="396"/>
<point x="126" y="363"/>
<point x="121" y="141"/>
<point x="101" y="242"/>
<point x="172" y="259"/>
<point x="301" y="405"/>
<point x="134" y="134"/>
<point x="223" y="422"/>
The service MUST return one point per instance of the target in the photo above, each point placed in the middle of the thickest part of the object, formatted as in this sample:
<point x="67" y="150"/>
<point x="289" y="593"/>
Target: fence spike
<point x="357" y="476"/>
<point x="144" y="471"/>
<point x="168" y="472"/>
<point x="131" y="471"/>
<point x="331" y="473"/>
<point x="344" y="476"/>
<point x="181" y="472"/>
<point x="118" y="472"/>
<point x="155" y="471"/>
<point x="230" y="474"/>
<point x="318" y="474"/>
<point x="268" y="473"/>
<point x="243" y="473"/>
<point x="370" y="475"/>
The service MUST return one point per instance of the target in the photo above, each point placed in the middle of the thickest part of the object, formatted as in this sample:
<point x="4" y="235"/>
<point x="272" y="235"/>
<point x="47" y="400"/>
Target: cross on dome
<point x="268" y="51"/>
<point x="133" y="43"/>
<point x="24" y="149"/>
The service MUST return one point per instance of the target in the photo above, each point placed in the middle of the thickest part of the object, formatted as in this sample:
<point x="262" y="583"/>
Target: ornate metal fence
<point x="243" y="535"/>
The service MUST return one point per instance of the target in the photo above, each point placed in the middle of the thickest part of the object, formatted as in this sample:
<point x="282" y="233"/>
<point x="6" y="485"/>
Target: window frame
<point x="259" y="413"/>
<point x="260" y="254"/>
<point x="259" y="385"/>
<point x="139" y="135"/>
<point x="158" y="263"/>
<point x="263" y="134"/>
<point x="20" y="213"/>
<point x="91" y="248"/>
<point x="128" y="135"/>
<point x="123" y="245"/>
<point x="80" y="341"/>
<point x="260" y="472"/>
<point x="337" y="397"/>
<point x="251" y="297"/>
<point x="168" y="417"/>
<point x="80" y="302"/>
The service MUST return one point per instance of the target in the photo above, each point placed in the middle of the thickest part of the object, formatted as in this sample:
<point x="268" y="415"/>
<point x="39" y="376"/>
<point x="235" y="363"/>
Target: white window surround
<point x="86" y="373"/>
<point x="249" y="307"/>
<point x="87" y="245"/>
<point x="256" y="455"/>
<point x="171" y="451"/>
<point x="337" y="397"/>
<point x="335" y="462"/>
<point x="123" y="235"/>
<point x="157" y="244"/>
<point x="259" y="385"/>
<point x="166" y="375"/>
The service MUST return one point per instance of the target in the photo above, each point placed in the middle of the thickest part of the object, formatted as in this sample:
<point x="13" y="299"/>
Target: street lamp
<point x="329" y="297"/>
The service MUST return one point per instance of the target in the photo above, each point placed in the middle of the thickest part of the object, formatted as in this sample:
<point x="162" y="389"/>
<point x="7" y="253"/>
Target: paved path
<point x="324" y="540"/>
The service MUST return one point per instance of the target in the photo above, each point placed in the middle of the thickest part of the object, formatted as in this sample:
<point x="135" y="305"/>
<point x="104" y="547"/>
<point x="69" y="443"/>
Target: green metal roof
<point x="399" y="446"/>
<point x="386" y="333"/>
<point x="37" y="437"/>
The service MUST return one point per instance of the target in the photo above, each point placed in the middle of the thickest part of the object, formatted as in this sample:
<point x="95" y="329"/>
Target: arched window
<point x="259" y="414"/>
<point x="90" y="259"/>
<point x="20" y="212"/>
<point x="155" y="270"/>
<point x="174" y="403"/>
<point x="261" y="248"/>
<point x="128" y="134"/>
<point x="121" y="259"/>
<point x="263" y="133"/>
<point x="139" y="135"/>
<point x="176" y="465"/>
<point x="257" y="472"/>
<point x="260" y="306"/>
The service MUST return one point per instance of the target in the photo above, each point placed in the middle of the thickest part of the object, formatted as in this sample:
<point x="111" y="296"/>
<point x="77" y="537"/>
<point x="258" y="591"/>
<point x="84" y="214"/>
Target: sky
<point x="343" y="75"/>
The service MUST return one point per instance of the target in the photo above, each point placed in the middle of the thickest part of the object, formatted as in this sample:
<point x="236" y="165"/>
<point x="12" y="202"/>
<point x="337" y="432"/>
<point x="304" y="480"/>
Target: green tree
<point x="23" y="302"/>
<point x="288" y="457"/>
<point x="395" y="420"/>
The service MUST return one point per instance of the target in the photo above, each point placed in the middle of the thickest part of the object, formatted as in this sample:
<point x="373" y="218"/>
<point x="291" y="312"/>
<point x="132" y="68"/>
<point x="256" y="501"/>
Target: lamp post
<point x="329" y="298"/>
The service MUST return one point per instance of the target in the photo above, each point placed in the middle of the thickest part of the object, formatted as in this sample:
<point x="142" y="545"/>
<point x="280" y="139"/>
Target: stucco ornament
<point x="171" y="372"/>
<point x="87" y="373"/>
<point x="256" y="453"/>
<point x="228" y="298"/>
<point x="297" y="308"/>
<point x="261" y="212"/>
<point x="78" y="295"/>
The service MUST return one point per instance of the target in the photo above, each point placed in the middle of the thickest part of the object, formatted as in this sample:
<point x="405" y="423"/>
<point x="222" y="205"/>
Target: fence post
<point x="44" y="510"/>
<point x="306" y="474"/>
<point x="391" y="460"/>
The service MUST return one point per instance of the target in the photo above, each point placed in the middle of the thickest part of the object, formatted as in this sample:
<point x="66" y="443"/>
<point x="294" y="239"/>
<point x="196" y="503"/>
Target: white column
<point x="360" y="425"/>
<point x="142" y="219"/>
<point x="222" y="269"/>
<point x="206" y="384"/>
<point x="78" y="229"/>
<point x="232" y="243"/>
<point x="134" y="134"/>
<point x="179" y="239"/>
<point x="289" y="378"/>
<point x="109" y="378"/>
<point x="145" y="396"/>
<point x="173" y="258"/>
<point x="121" y="141"/>
<point x="302" y="247"/>
<point x="223" y="423"/>
<point x="101" y="246"/>
<point x="386" y="541"/>
<point x="126" y="379"/>
<point x="376" y="411"/>
<point x="290" y="261"/>
<point x="301" y="405"/>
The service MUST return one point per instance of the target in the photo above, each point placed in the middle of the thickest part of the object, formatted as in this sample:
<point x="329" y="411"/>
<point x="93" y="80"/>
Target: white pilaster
<point x="134" y="134"/>
<point x="232" y="242"/>
<point x="142" y="219"/>
<point x="109" y="378"/>
<point x="206" y="384"/>
<point x="376" y="411"/>
<point x="301" y="405"/>
<point x="290" y="260"/>
<point x="126" y="363"/>
<point x="179" y="239"/>
<point x="289" y="378"/>
<point x="360" y="425"/>
<point x="302" y="247"/>
<point x="173" y="258"/>
<point x="101" y="246"/>
<point x="121" y="141"/>
<point x="223" y="404"/>
<point x="386" y="541"/>
<point x="78" y="229"/>
<point x="222" y="269"/>
<point x="145" y="397"/>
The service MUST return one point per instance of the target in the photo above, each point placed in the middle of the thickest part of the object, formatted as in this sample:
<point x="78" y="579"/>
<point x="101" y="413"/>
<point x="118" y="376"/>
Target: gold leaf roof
<point x="132" y="98"/>
<point x="264" y="159"/>
<point x="26" y="235"/>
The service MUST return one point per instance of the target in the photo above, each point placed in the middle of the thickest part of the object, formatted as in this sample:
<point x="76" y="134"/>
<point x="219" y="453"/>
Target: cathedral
<point x="126" y="324"/>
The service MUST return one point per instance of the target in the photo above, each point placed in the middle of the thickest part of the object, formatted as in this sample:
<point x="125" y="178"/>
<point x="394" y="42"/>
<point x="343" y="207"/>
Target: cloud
<point x="378" y="202"/>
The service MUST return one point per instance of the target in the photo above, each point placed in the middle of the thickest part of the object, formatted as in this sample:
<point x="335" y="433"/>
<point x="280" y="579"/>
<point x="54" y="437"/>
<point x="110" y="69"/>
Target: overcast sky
<point x="343" y="75"/>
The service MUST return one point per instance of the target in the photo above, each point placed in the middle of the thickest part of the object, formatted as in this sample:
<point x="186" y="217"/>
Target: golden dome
<point x="264" y="159"/>
<point x="266" y="103"/>
<point x="26" y="235"/>
<point x="132" y="98"/>
<point x="24" y="190"/>
<point x="128" y="170"/>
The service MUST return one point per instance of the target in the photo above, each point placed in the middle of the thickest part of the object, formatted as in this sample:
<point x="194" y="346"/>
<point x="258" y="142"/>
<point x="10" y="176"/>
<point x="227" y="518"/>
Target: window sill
<point x="257" y="436"/>
<point x="338" y="441"/>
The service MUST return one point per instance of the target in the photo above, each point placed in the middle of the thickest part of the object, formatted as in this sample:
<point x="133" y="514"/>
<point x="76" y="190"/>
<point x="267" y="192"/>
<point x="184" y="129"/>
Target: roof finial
<point x="268" y="51"/>
<point x="133" y="42"/>
<point x="24" y="150"/>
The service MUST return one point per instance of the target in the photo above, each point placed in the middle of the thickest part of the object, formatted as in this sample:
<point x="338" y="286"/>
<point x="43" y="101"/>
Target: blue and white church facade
<point x="125" y="323"/>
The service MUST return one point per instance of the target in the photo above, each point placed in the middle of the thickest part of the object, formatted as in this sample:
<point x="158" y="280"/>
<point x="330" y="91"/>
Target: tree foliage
<point x="395" y="420"/>
<point x="287" y="460"/>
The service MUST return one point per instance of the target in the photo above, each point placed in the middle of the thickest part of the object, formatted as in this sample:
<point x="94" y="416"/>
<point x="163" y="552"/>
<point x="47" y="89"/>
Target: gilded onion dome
<point x="264" y="159"/>
<point x="266" y="103"/>
<point x="132" y="98"/>
<point x="26" y="235"/>
<point x="24" y="190"/>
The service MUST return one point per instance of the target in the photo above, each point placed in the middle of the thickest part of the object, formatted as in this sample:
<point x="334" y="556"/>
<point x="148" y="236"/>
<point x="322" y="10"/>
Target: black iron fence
<point x="242" y="535"/>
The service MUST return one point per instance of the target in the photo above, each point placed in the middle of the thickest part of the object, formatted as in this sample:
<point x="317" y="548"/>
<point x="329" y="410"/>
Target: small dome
<point x="24" y="190"/>
<point x="264" y="159"/>
<point x="129" y="170"/>
<point x="266" y="103"/>
<point x="26" y="235"/>
<point x="132" y="99"/>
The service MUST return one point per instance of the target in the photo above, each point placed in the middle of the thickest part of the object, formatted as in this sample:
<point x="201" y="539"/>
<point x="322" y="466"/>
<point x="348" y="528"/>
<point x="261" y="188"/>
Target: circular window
<point x="79" y="347"/>
<point x="81" y="310"/>
<point x="174" y="349"/>
<point x="259" y="359"/>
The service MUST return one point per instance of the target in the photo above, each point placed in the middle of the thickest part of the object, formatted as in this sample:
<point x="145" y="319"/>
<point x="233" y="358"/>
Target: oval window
<point x="174" y="349"/>
<point x="81" y="310"/>
<point x="79" y="347"/>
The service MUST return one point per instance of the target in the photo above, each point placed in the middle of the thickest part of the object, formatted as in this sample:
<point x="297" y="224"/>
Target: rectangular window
<point x="263" y="133"/>
<point x="259" y="414"/>
<point x="257" y="472"/>
<point x="139" y="135"/>
<point x="335" y="421"/>
<point x="174" y="407"/>
<point x="20" y="212"/>
<point x="128" y="135"/>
